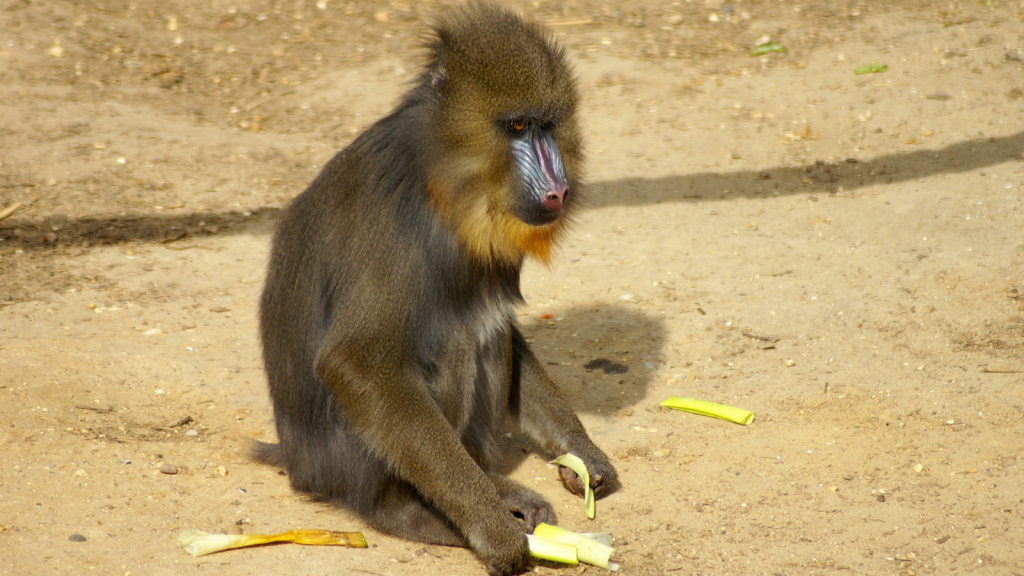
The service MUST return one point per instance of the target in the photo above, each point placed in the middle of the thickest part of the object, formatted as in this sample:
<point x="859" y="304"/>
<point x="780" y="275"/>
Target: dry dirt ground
<point x="841" y="254"/>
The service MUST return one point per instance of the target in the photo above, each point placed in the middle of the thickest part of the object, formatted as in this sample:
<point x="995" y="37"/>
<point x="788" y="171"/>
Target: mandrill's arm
<point x="548" y="420"/>
<point x="391" y="410"/>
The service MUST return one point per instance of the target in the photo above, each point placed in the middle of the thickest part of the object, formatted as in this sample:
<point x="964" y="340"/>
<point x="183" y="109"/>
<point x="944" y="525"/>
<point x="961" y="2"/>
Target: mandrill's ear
<point x="437" y="70"/>
<point x="438" y="76"/>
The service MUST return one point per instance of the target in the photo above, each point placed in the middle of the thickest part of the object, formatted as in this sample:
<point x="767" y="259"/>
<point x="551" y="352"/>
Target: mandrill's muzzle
<point x="544" y="187"/>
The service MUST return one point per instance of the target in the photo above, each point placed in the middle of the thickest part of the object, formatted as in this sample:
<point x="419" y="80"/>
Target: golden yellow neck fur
<point x="490" y="233"/>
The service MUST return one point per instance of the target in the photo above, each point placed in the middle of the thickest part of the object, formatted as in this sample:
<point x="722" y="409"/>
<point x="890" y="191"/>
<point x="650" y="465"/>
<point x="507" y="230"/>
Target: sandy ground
<point x="839" y="253"/>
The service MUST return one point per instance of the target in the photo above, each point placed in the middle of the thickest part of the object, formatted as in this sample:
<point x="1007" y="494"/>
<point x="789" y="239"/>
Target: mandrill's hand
<point x="603" y="477"/>
<point x="503" y="546"/>
<point x="524" y="502"/>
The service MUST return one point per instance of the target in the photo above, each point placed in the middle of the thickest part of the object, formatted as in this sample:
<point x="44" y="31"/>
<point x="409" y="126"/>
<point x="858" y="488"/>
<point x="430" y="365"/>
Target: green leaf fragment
<point x="767" y="47"/>
<point x="730" y="413"/>
<point x="573" y="463"/>
<point x="872" y="68"/>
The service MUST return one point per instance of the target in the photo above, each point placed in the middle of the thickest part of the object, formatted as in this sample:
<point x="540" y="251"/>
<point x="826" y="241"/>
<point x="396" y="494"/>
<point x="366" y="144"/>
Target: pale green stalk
<point x="552" y="550"/>
<point x="588" y="548"/>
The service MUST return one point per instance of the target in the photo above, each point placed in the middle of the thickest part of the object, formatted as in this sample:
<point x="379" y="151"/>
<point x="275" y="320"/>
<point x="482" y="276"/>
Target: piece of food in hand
<point x="573" y="463"/>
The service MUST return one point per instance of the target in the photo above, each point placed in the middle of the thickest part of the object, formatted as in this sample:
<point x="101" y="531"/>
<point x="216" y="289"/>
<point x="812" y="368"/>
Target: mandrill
<point x="387" y="323"/>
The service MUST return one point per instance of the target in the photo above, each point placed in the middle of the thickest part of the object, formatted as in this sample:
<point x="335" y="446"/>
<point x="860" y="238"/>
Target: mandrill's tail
<point x="267" y="453"/>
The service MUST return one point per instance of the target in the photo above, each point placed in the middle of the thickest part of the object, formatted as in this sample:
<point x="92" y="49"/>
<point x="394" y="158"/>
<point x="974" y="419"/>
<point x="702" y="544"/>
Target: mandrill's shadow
<point x="621" y="344"/>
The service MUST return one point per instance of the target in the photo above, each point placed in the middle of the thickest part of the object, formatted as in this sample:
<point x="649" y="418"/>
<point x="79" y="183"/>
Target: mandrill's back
<point x="345" y="248"/>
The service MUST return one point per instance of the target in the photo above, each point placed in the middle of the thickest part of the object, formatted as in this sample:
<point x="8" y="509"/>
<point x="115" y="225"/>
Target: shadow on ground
<point x="591" y="332"/>
<point x="847" y="175"/>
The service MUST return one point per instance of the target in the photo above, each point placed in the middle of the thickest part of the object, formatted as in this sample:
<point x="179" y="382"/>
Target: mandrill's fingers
<point x="538" y="515"/>
<point x="572" y="481"/>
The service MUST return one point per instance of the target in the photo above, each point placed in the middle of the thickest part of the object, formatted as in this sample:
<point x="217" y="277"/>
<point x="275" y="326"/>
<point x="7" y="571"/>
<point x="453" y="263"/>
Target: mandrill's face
<point x="542" y="191"/>
<point x="509" y="168"/>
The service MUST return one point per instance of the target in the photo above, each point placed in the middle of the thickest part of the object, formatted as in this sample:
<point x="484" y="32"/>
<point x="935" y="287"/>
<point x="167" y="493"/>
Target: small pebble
<point x="222" y="471"/>
<point x="881" y="498"/>
<point x="918" y="468"/>
<point x="192" y="432"/>
<point x="167" y="468"/>
<point x="790" y="363"/>
<point x="76" y="538"/>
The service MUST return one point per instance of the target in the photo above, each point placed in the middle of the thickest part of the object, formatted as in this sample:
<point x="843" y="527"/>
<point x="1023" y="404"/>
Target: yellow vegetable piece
<point x="730" y="413"/>
<point x="573" y="463"/>
<point x="199" y="543"/>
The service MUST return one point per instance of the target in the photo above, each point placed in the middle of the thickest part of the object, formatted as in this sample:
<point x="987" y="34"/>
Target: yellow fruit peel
<point x="730" y="413"/>
<point x="199" y="543"/>
<point x="573" y="463"/>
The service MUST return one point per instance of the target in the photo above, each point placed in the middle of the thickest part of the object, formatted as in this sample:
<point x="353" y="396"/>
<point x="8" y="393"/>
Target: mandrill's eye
<point x="515" y="127"/>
